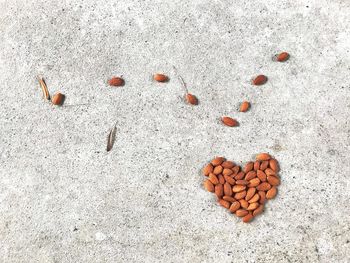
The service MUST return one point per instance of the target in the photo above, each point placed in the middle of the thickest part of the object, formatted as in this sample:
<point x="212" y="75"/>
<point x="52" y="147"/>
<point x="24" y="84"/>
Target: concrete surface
<point x="64" y="199"/>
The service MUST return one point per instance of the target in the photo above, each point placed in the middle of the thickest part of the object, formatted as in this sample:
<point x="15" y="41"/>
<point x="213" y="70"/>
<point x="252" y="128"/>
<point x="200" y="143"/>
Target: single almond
<point x="274" y="165"/>
<point x="256" y="165"/>
<point x="208" y="169"/>
<point x="224" y="203"/>
<point x="229" y="198"/>
<point x="259" y="210"/>
<point x="191" y="99"/>
<point x="249" y="176"/>
<point x="254" y="199"/>
<point x="241" y="212"/>
<point x="217" y="161"/>
<point x="236" y="169"/>
<point x="248" y="167"/>
<point x="254" y="182"/>
<point x="250" y="193"/>
<point x="238" y="188"/>
<point x="227" y="171"/>
<point x="219" y="190"/>
<point x="235" y="206"/>
<point x="229" y="180"/>
<point x="263" y="157"/>
<point x="260" y="80"/>
<point x="252" y="206"/>
<point x="262" y="195"/>
<point x="263" y="186"/>
<point x="58" y="99"/>
<point x="227" y="189"/>
<point x="264" y="165"/>
<point x="228" y="164"/>
<point x="261" y="175"/>
<point x="218" y="169"/>
<point x="269" y="171"/>
<point x="228" y="121"/>
<point x="116" y="82"/>
<point x="244" y="203"/>
<point x="281" y="57"/>
<point x="242" y="182"/>
<point x="244" y="106"/>
<point x="213" y="178"/>
<point x="240" y="195"/>
<point x="240" y="176"/>
<point x="247" y="218"/>
<point x="271" y="193"/>
<point x="209" y="186"/>
<point x="221" y="179"/>
<point x="273" y="180"/>
<point x="160" y="77"/>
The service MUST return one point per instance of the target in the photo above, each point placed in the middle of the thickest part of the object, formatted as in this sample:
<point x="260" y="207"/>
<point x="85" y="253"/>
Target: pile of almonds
<point x="243" y="191"/>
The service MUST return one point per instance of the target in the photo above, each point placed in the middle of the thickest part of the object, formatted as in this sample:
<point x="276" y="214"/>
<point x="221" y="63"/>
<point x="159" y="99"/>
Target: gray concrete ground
<point x="64" y="199"/>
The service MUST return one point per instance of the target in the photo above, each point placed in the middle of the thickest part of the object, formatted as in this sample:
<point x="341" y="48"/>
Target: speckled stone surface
<point x="63" y="198"/>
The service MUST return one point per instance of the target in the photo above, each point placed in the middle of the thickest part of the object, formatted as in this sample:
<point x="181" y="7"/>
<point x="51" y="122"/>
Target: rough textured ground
<point x="64" y="199"/>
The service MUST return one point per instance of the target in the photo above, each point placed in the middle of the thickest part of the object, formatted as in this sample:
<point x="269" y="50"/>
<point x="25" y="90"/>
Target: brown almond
<point x="263" y="157"/>
<point x="240" y="195"/>
<point x="260" y="80"/>
<point x="249" y="176"/>
<point x="273" y="164"/>
<point x="263" y="186"/>
<point x="271" y="193"/>
<point x="244" y="106"/>
<point x="227" y="189"/>
<point x="244" y="203"/>
<point x="160" y="77"/>
<point x="191" y="99"/>
<point x="209" y="186"/>
<point x="262" y="195"/>
<point x="228" y="164"/>
<point x="241" y="212"/>
<point x="227" y="171"/>
<point x="281" y="57"/>
<point x="264" y="165"/>
<point x="221" y="179"/>
<point x="261" y="175"/>
<point x="238" y="188"/>
<point x="218" y="169"/>
<point x="273" y="180"/>
<point x="229" y="180"/>
<point x="219" y="190"/>
<point x="247" y="218"/>
<point x="254" y="199"/>
<point x="228" y="121"/>
<point x="116" y="81"/>
<point x="213" y="178"/>
<point x="217" y="161"/>
<point x="224" y="203"/>
<point x="256" y="165"/>
<point x="235" y="206"/>
<point x="236" y="169"/>
<point x="254" y="182"/>
<point x="250" y="193"/>
<point x="208" y="169"/>
<point x="269" y="171"/>
<point x="248" y="167"/>
<point x="242" y="182"/>
<point x="229" y="198"/>
<point x="58" y="99"/>
<point x="240" y="176"/>
<point x="252" y="206"/>
<point x="259" y="210"/>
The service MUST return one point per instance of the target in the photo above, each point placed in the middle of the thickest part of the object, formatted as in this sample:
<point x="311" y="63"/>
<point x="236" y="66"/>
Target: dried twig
<point x="111" y="138"/>
<point x="44" y="88"/>
<point x="181" y="80"/>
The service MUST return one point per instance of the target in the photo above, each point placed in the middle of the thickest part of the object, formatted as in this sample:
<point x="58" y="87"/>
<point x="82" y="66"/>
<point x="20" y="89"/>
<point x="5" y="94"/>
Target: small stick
<point x="181" y="80"/>
<point x="44" y="88"/>
<point x="111" y="138"/>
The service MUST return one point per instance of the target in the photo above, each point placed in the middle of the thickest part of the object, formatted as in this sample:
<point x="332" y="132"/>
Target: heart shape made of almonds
<point x="243" y="191"/>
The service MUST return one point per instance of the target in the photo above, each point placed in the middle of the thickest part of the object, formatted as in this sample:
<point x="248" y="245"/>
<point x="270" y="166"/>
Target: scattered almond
<point x="228" y="121"/>
<point x="191" y="99"/>
<point x="160" y="77"/>
<point x="281" y="57"/>
<point x="259" y="80"/>
<point x="244" y="106"/>
<point x="58" y="99"/>
<point x="116" y="82"/>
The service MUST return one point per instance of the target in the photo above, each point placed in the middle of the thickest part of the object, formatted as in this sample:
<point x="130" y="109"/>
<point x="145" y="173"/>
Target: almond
<point x="235" y="206"/>
<point x="191" y="99"/>
<point x="236" y="169"/>
<point x="116" y="82"/>
<point x="244" y="203"/>
<point x="271" y="193"/>
<point x="224" y="203"/>
<point x="208" y="169"/>
<point x="241" y="212"/>
<point x="227" y="189"/>
<point x="248" y="167"/>
<point x="219" y="190"/>
<point x="250" y="193"/>
<point x="261" y="175"/>
<point x="274" y="165"/>
<point x="262" y="195"/>
<point x="254" y="199"/>
<point x="252" y="206"/>
<point x="227" y="171"/>
<point x="160" y="77"/>
<point x="244" y="106"/>
<point x="256" y="165"/>
<point x="58" y="99"/>
<point x="273" y="180"/>
<point x="263" y="157"/>
<point x="213" y="178"/>
<point x="247" y="218"/>
<point x="218" y="169"/>
<point x="242" y="182"/>
<point x="228" y="121"/>
<point x="263" y="186"/>
<point x="238" y="188"/>
<point x="228" y="164"/>
<point x="264" y="165"/>
<point x="281" y="57"/>
<point x="259" y="210"/>
<point x="269" y="171"/>
<point x="221" y="179"/>
<point x="240" y="195"/>
<point x="250" y="175"/>
<point x="259" y="80"/>
<point x="229" y="198"/>
<point x="239" y="176"/>
<point x="217" y="161"/>
<point x="209" y="186"/>
<point x="229" y="180"/>
<point x="254" y="182"/>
